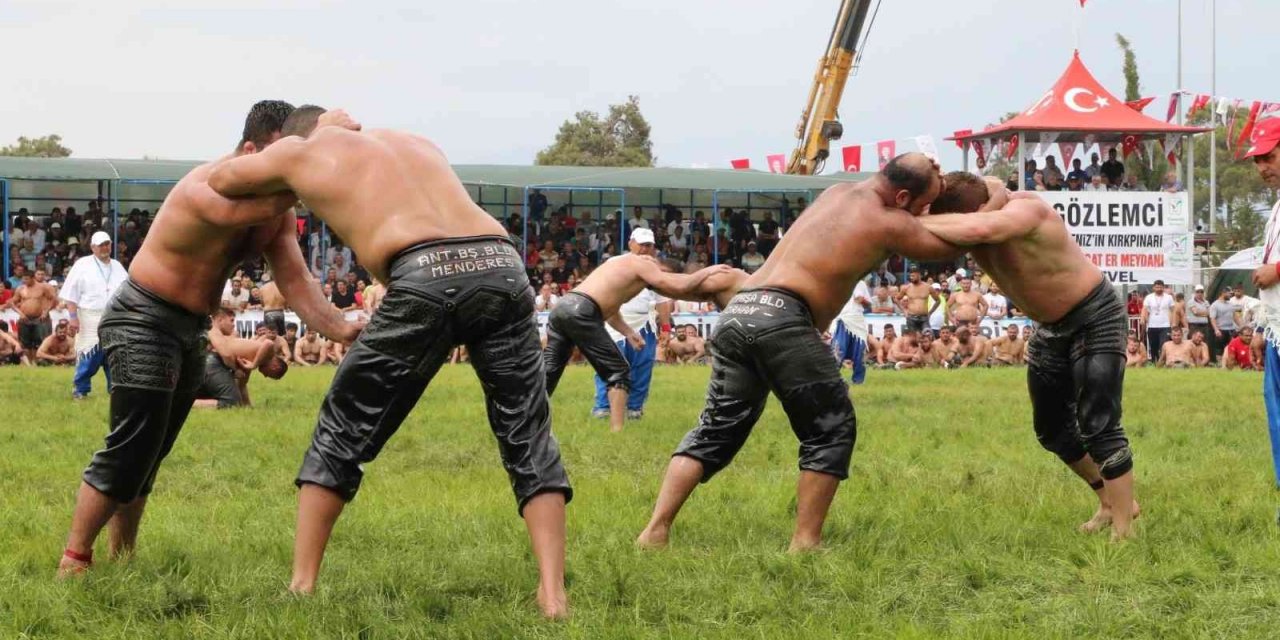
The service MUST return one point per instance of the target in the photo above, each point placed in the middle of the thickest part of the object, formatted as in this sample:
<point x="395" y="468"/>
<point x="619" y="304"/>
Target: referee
<point x="1266" y="157"/>
<point x="89" y="285"/>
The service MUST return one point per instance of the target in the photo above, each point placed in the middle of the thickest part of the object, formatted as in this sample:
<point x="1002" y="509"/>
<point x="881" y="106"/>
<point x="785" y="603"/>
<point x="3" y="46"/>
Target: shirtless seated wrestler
<point x="578" y="320"/>
<point x="453" y="277"/>
<point x="1076" y="358"/>
<point x="153" y="331"/>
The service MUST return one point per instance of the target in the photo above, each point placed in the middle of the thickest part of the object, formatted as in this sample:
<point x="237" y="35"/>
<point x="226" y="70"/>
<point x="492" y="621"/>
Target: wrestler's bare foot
<point x="1121" y="532"/>
<point x="653" y="537"/>
<point x="553" y="603"/>
<point x="1102" y="519"/>
<point x="805" y="545"/>
<point x="68" y="567"/>
<point x="299" y="588"/>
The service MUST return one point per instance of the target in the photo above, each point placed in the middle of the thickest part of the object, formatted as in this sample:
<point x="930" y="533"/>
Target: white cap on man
<point x="99" y="238"/>
<point x="961" y="273"/>
<point x="1199" y="287"/>
<point x="641" y="235"/>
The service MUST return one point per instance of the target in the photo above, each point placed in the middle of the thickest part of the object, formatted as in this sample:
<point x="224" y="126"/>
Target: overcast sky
<point x="492" y="80"/>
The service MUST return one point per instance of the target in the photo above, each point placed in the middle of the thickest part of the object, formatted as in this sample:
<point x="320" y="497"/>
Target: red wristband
<point x="79" y="557"/>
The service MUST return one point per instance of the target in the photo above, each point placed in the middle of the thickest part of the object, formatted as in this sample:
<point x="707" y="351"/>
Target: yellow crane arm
<point x="818" y="124"/>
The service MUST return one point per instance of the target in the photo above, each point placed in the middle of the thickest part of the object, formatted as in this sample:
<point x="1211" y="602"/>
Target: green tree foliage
<point x="1132" y="83"/>
<point x="49" y="146"/>
<point x="997" y="164"/>
<point x="620" y="139"/>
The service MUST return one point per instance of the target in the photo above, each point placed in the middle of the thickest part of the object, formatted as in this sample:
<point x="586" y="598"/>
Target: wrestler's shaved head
<point x="262" y="125"/>
<point x="965" y="193"/>
<point x="302" y="121"/>
<point x="914" y="179"/>
<point x="274" y="368"/>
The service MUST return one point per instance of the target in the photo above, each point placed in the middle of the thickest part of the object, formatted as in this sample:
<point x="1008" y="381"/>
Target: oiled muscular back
<point x="189" y="251"/>
<point x="839" y="239"/>
<point x="1045" y="273"/>
<point x="382" y="191"/>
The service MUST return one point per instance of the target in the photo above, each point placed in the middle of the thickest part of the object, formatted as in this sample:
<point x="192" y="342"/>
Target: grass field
<point x="953" y="524"/>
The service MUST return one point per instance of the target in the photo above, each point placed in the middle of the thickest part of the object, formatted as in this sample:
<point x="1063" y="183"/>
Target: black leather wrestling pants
<point x="576" y="321"/>
<point x="1075" y="374"/>
<point x="470" y="291"/>
<point x="156" y="352"/>
<point x="765" y="341"/>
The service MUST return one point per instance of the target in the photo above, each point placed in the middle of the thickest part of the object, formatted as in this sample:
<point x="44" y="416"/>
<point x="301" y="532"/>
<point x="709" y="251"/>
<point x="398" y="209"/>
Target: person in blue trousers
<point x="88" y="288"/>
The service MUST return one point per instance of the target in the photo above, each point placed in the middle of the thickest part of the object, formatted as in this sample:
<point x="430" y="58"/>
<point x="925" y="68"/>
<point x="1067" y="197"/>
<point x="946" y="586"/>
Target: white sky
<point x="492" y="80"/>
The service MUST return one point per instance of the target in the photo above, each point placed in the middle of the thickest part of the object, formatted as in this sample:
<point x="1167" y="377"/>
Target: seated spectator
<point x="971" y="349"/>
<point x="58" y="349"/>
<point x="1031" y="170"/>
<point x="678" y="244"/>
<point x="343" y="297"/>
<point x="236" y="297"/>
<point x="27" y="253"/>
<point x="687" y="347"/>
<point x="882" y="302"/>
<point x="1176" y="353"/>
<point x="255" y="299"/>
<point x="1239" y="352"/>
<point x="1171" y="183"/>
<point x="1080" y="174"/>
<point x="885" y="344"/>
<point x="1199" y="349"/>
<point x="548" y="255"/>
<point x="768" y="234"/>
<point x="1074" y="183"/>
<point x="1094" y="169"/>
<point x="1096" y="183"/>
<point x="311" y="350"/>
<point x="1113" y="169"/>
<point x="1037" y="182"/>
<point x="1008" y="349"/>
<point x="546" y="300"/>
<point x="902" y="355"/>
<point x="930" y="355"/>
<point x="583" y="269"/>
<point x="560" y="272"/>
<point x="11" y="351"/>
<point x="752" y="259"/>
<point x="1053" y="183"/>
<point x="1052" y="172"/>
<point x="1135" y="354"/>
<point x="1012" y="183"/>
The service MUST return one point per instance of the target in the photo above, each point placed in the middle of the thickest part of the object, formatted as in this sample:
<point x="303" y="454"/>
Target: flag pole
<point x="1213" y="113"/>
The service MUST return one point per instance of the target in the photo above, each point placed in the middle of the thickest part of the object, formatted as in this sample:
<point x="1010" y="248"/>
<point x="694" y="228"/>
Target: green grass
<point x="954" y="522"/>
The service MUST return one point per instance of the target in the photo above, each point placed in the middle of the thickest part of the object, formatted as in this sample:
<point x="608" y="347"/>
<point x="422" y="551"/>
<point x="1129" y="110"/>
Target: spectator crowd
<point x="1097" y="176"/>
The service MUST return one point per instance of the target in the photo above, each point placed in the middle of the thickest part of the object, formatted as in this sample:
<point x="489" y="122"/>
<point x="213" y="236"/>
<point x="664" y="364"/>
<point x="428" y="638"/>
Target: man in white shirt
<point x="849" y="332"/>
<point x="89" y="285"/>
<point x="637" y="313"/>
<point x="997" y="306"/>
<point x="1247" y="306"/>
<point x="1155" y="316"/>
<point x="1266" y="158"/>
<point x="236" y="297"/>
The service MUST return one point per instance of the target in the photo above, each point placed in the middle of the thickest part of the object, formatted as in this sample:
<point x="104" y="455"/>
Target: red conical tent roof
<point x="1078" y="104"/>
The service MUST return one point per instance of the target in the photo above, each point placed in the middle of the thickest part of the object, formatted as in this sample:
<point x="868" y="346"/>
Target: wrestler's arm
<point x="983" y="227"/>
<point x="675" y="285"/>
<point x="43" y="354"/>
<point x="12" y="341"/>
<point x="259" y="174"/>
<point x="625" y="329"/>
<point x="913" y="240"/>
<point x="295" y="284"/>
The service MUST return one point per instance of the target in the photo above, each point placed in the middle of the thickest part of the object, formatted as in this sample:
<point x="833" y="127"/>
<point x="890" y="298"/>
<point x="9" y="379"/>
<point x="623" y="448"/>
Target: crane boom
<point x="818" y="124"/>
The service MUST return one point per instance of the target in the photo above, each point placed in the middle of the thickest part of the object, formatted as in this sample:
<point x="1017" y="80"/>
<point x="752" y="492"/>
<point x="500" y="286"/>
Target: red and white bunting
<point x="741" y="164"/>
<point x="1173" y="107"/>
<point x="1012" y="149"/>
<point x="980" y="148"/>
<point x="1128" y="145"/>
<point x="1068" y="151"/>
<point x="963" y="133"/>
<point x="852" y="156"/>
<point x="1140" y="104"/>
<point x="885" y="151"/>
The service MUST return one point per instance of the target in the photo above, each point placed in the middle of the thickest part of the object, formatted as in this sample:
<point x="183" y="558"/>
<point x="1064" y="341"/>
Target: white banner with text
<point x="1134" y="237"/>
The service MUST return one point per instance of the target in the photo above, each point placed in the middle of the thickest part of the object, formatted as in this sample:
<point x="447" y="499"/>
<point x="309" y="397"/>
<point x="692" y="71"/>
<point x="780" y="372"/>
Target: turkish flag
<point x="741" y="163"/>
<point x="1173" y="107"/>
<point x="1068" y="151"/>
<point x="1082" y="3"/>
<point x="1013" y="147"/>
<point x="963" y="133"/>
<point x="980" y="150"/>
<point x="852" y="158"/>
<point x="1199" y="103"/>
<point x="1247" y="130"/>
<point x="777" y="163"/>
<point x="1231" y="121"/>
<point x="885" y="151"/>
<point x="1129" y="144"/>
<point x="1140" y="104"/>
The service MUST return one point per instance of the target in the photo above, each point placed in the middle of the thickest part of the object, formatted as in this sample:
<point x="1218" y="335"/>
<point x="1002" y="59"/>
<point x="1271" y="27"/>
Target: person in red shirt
<point x="1239" y="352"/>
<point x="1135" y="304"/>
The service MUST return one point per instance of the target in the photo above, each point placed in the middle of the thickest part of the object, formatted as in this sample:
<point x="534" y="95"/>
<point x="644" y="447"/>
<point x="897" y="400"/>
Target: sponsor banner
<point x="1134" y="237"/>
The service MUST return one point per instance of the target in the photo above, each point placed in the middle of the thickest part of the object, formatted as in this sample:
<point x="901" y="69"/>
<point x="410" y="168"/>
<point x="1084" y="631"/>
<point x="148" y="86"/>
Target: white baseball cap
<point x="961" y="273"/>
<point x="936" y="286"/>
<point x="641" y="235"/>
<point x="99" y="237"/>
<point x="1199" y="287"/>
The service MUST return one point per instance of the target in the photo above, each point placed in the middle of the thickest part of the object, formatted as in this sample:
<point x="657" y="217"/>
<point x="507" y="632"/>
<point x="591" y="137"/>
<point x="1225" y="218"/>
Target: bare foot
<point x="804" y="545"/>
<point x="553" y="603"/>
<point x="70" y="567"/>
<point x="617" y="428"/>
<point x="1099" y="521"/>
<point x="653" y="537"/>
<point x="302" y="588"/>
